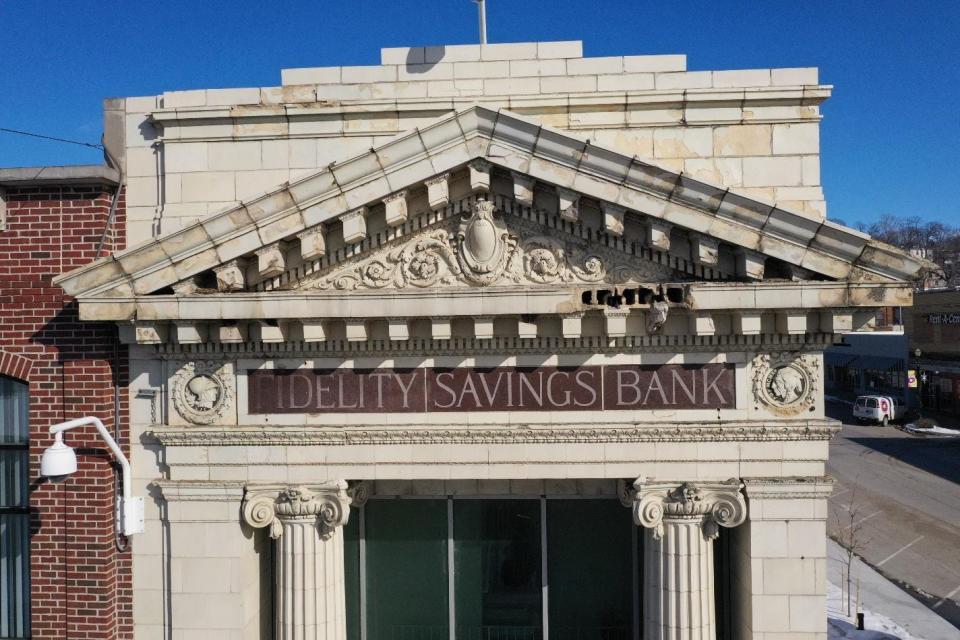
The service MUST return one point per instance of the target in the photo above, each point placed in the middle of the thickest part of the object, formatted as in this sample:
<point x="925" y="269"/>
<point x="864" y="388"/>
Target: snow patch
<point x="878" y="626"/>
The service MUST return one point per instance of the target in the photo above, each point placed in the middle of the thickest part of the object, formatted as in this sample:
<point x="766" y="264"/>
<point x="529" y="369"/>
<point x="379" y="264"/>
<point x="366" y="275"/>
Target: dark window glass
<point x="14" y="511"/>
<point x="406" y="549"/>
<point x="351" y="570"/>
<point x="590" y="570"/>
<point x="498" y="579"/>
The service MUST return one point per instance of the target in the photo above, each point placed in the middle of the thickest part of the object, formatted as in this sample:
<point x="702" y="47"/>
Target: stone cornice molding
<point x="681" y="99"/>
<point x="199" y="490"/>
<point x="500" y="345"/>
<point x="327" y="505"/>
<point x="343" y="435"/>
<point x="713" y="504"/>
<point x="815" y="488"/>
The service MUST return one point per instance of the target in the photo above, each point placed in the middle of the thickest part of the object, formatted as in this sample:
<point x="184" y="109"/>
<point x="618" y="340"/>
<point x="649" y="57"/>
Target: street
<point x="900" y="495"/>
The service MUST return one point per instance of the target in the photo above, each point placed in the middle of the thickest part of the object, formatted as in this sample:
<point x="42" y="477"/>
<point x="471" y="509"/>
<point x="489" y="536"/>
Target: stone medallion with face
<point x="784" y="383"/>
<point x="200" y="394"/>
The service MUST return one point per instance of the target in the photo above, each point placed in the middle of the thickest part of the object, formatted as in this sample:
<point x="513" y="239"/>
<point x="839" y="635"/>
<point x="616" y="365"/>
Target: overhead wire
<point x="38" y="135"/>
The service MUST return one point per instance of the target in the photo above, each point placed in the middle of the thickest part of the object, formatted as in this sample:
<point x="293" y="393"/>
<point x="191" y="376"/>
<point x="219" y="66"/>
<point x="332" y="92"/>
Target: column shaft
<point x="678" y="574"/>
<point x="310" y="596"/>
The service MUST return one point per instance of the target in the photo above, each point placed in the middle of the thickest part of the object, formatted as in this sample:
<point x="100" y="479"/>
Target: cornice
<point x="175" y="122"/>
<point x="498" y="345"/>
<point x="733" y="431"/>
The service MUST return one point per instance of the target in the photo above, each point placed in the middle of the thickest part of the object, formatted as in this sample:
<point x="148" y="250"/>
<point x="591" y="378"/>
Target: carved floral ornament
<point x="202" y="393"/>
<point x="715" y="505"/>
<point x="326" y="507"/>
<point x="483" y="251"/>
<point x="785" y="383"/>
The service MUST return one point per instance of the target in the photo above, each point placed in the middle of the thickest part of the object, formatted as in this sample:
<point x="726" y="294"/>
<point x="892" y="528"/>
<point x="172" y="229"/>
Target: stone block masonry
<point x="80" y="581"/>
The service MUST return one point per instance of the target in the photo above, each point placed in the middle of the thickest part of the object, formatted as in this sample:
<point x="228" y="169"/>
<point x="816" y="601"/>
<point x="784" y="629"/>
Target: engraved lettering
<point x="712" y="385"/>
<point x="406" y="389"/>
<point x="536" y="393"/>
<point x="633" y="386"/>
<point x="690" y="392"/>
<point x="656" y="385"/>
<point x="586" y="387"/>
<point x="468" y="387"/>
<point x="453" y="394"/>
<point x="550" y="389"/>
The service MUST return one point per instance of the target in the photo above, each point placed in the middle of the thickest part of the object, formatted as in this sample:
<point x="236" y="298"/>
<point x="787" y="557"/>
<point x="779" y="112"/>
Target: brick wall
<point x="81" y="582"/>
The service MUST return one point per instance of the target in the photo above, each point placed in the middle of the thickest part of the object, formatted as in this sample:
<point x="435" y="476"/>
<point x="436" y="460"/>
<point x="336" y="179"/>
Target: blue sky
<point x="889" y="137"/>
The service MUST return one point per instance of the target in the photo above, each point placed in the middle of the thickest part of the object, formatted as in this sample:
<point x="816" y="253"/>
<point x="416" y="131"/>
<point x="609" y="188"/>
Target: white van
<point x="879" y="409"/>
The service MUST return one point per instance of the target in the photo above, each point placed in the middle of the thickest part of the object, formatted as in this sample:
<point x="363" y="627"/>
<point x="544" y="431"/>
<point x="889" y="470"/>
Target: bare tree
<point x="850" y="535"/>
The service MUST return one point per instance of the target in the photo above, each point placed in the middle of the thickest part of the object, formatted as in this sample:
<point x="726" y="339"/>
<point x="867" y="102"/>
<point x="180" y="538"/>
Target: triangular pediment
<point x="495" y="242"/>
<point x="366" y="215"/>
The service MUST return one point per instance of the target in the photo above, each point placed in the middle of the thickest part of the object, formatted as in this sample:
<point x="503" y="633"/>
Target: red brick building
<point x="63" y="575"/>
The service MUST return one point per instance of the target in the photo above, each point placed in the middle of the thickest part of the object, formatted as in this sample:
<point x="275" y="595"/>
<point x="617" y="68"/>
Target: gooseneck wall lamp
<point x="60" y="461"/>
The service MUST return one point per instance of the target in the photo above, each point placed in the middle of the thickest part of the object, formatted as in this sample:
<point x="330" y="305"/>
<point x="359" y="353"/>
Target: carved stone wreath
<point x="785" y="383"/>
<point x="483" y="251"/>
<point x="201" y="394"/>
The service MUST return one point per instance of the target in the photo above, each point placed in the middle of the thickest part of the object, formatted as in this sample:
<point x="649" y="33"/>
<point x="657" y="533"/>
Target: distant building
<point x="933" y="330"/>
<point x="872" y="361"/>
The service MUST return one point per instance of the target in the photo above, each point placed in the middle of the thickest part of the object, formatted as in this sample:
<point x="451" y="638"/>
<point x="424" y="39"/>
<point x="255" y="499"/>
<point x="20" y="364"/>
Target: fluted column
<point x="682" y="520"/>
<point x="310" y="602"/>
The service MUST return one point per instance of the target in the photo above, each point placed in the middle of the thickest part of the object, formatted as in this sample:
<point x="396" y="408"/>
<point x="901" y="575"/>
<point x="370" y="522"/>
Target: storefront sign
<point x="943" y="318"/>
<point x="594" y="388"/>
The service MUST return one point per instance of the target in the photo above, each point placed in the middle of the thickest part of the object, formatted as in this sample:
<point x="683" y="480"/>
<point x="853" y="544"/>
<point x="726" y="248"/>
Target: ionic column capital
<point x="714" y="504"/>
<point x="325" y="506"/>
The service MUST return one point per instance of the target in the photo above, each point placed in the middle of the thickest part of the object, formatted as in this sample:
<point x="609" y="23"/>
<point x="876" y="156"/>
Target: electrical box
<point x="130" y="515"/>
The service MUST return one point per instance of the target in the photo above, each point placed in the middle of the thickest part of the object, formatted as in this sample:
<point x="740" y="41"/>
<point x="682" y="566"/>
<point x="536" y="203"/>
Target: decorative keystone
<point x="704" y="249"/>
<point x="750" y="264"/>
<point x="716" y="504"/>
<point x="270" y="260"/>
<point x="438" y="190"/>
<point x="569" y="206"/>
<point x="395" y="207"/>
<point x="354" y="225"/>
<point x="327" y="506"/>
<point x="658" y="234"/>
<point x="479" y="175"/>
<point x="613" y="218"/>
<point x="523" y="188"/>
<point x="313" y="243"/>
<point x="230" y="276"/>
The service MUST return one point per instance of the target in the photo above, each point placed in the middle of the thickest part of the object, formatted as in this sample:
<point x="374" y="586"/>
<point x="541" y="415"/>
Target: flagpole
<point x="482" y="11"/>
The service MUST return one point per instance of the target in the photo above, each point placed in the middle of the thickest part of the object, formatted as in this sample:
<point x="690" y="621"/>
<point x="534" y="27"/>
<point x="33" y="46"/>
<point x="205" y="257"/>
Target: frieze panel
<point x="425" y="390"/>
<point x="482" y="250"/>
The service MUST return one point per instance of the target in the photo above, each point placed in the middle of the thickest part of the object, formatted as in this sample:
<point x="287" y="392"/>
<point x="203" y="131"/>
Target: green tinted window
<point x="590" y="570"/>
<point x="406" y="549"/>
<point x="498" y="579"/>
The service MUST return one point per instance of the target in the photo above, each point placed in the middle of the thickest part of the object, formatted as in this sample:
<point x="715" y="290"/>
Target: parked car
<point x="878" y="409"/>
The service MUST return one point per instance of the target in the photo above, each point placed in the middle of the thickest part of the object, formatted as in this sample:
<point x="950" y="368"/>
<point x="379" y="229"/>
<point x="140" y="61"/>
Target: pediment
<point x="486" y="245"/>
<point x="390" y="219"/>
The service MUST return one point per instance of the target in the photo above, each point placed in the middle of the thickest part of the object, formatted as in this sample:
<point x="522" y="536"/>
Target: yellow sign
<point x="912" y="378"/>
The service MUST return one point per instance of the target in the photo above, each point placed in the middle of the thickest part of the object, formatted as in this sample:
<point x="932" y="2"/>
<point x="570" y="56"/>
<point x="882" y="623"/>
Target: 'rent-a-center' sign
<point x="589" y="388"/>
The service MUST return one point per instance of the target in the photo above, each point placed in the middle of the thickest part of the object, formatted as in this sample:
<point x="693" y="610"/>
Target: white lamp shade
<point x="58" y="460"/>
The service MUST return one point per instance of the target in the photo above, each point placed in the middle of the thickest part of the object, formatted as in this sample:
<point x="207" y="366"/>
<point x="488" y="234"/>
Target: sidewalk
<point x="890" y="611"/>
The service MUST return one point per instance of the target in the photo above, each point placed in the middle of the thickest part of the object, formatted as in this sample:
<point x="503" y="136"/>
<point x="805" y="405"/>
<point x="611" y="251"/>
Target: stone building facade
<point x="491" y="341"/>
<point x="62" y="573"/>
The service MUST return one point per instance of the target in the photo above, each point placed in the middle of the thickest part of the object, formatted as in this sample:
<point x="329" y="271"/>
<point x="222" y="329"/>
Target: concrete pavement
<point x="901" y="496"/>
